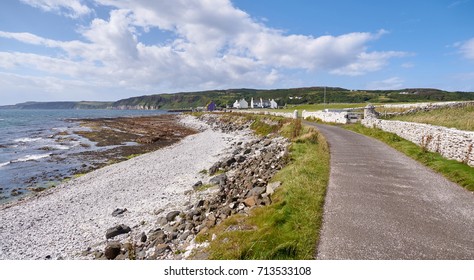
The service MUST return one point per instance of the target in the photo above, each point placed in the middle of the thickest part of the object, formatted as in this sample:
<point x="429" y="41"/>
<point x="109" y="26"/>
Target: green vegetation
<point x="132" y="156"/>
<point x="204" y="187"/>
<point x="294" y="96"/>
<point x="453" y="170"/>
<point x="284" y="97"/>
<point x="461" y="118"/>
<point x="289" y="227"/>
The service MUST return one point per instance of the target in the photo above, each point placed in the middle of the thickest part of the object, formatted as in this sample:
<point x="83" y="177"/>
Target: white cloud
<point x="214" y="45"/>
<point x="70" y="8"/>
<point x="467" y="48"/>
<point x="367" y="62"/>
<point x="390" y="83"/>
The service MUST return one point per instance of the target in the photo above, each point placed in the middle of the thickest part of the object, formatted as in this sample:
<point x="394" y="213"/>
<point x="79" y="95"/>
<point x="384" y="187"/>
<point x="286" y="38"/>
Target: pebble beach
<point x="62" y="222"/>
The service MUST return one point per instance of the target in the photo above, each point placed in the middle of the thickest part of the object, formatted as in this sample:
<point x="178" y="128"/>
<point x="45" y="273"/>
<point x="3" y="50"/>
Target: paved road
<point x="380" y="204"/>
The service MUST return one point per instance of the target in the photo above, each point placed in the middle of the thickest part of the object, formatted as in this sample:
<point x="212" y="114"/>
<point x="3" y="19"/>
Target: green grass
<point x="132" y="156"/>
<point x="204" y="187"/>
<point x="289" y="227"/>
<point x="460" y="118"/>
<point x="455" y="171"/>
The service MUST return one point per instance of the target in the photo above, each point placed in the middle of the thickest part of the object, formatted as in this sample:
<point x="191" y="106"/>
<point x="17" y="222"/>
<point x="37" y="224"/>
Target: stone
<point x="250" y="201"/>
<point x="228" y="162"/>
<point x="143" y="237"/>
<point x="161" y="249"/>
<point x="118" y="211"/>
<point x="218" y="180"/>
<point x="271" y="187"/>
<point x="15" y="192"/>
<point x="157" y="235"/>
<point x="98" y="254"/>
<point x="197" y="185"/>
<point x="257" y="191"/>
<point x="185" y="235"/>
<point x="267" y="142"/>
<point x="117" y="230"/>
<point x="162" y="221"/>
<point x="214" y="168"/>
<point x="240" y="159"/>
<point x="112" y="250"/>
<point x="172" y="215"/>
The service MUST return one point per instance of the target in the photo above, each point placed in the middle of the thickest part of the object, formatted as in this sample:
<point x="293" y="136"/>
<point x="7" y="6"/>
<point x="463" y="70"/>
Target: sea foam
<point x="31" y="157"/>
<point x="27" y="139"/>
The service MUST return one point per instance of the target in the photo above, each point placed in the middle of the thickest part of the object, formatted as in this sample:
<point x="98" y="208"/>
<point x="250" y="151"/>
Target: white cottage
<point x="273" y="104"/>
<point x="242" y="104"/>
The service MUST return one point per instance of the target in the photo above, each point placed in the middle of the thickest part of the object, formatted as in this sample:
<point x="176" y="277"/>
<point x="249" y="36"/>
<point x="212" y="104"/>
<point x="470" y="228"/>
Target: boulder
<point x="218" y="180"/>
<point x="112" y="250"/>
<point x="250" y="201"/>
<point x="256" y="191"/>
<point x="197" y="185"/>
<point x="271" y="187"/>
<point x="172" y="215"/>
<point x="157" y="235"/>
<point x="117" y="230"/>
<point x="228" y="162"/>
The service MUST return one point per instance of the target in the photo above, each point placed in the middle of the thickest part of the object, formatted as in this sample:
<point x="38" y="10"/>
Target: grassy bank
<point x="289" y="227"/>
<point x="453" y="170"/>
<point x="460" y="118"/>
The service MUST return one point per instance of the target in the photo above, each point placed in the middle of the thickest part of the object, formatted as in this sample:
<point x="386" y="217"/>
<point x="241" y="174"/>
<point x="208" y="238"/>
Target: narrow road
<point x="381" y="204"/>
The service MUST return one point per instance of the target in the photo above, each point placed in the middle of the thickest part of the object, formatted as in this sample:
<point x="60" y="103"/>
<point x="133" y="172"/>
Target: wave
<point x="4" y="164"/>
<point x="31" y="157"/>
<point x="27" y="139"/>
<point x="60" y="147"/>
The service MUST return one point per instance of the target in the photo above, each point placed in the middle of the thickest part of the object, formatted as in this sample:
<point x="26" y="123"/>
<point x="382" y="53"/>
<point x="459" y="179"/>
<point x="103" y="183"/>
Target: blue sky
<point x="111" y="49"/>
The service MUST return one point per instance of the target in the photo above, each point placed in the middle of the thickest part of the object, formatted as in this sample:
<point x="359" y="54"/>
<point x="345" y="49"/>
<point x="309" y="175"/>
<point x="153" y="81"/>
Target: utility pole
<point x="324" y="97"/>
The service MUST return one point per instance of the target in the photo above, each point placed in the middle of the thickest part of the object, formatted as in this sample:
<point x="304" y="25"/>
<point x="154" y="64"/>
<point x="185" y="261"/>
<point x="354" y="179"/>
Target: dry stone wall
<point x="450" y="143"/>
<point x="334" y="117"/>
<point x="278" y="114"/>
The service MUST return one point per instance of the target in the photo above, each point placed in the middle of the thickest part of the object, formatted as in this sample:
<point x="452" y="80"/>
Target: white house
<point x="267" y="103"/>
<point x="273" y="104"/>
<point x="242" y="104"/>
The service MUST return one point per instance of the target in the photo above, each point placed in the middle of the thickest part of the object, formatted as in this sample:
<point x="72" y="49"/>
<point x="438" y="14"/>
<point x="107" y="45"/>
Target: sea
<point x="38" y="142"/>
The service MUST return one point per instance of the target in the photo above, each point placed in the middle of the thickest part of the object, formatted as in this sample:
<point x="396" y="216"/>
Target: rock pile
<point x="241" y="182"/>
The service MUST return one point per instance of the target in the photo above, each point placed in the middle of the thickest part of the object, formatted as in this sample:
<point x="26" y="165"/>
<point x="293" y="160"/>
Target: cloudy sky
<point x="111" y="49"/>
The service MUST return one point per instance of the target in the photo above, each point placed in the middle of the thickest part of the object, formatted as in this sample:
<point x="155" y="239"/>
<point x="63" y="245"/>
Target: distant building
<point x="263" y="104"/>
<point x="211" y="106"/>
<point x="242" y="104"/>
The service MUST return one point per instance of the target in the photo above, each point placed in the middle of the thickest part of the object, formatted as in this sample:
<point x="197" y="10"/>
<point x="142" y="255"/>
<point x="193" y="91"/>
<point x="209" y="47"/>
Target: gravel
<point x="64" y="221"/>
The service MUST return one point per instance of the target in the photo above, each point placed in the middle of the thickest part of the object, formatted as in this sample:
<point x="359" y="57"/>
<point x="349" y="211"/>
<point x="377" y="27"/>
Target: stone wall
<point x="450" y="143"/>
<point x="278" y="114"/>
<point x="333" y="117"/>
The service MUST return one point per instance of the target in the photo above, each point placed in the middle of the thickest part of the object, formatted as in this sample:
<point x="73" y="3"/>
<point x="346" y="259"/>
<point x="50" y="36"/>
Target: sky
<point x="105" y="50"/>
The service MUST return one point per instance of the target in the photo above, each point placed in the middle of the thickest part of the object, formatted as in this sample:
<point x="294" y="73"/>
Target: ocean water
<point x="32" y="146"/>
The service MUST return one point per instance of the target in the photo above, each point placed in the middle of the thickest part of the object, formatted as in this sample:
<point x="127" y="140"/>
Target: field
<point x="460" y="118"/>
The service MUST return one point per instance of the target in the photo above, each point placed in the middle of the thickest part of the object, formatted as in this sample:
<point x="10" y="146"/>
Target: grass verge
<point x="289" y="227"/>
<point x="455" y="171"/>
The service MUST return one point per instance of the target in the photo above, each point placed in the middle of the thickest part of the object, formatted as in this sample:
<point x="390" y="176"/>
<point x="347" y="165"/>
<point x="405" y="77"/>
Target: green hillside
<point x="309" y="95"/>
<point x="60" y="105"/>
<point x="293" y="96"/>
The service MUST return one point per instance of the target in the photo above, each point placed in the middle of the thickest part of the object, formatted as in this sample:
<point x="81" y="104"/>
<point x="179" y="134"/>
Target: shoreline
<point x="84" y="145"/>
<point x="62" y="222"/>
